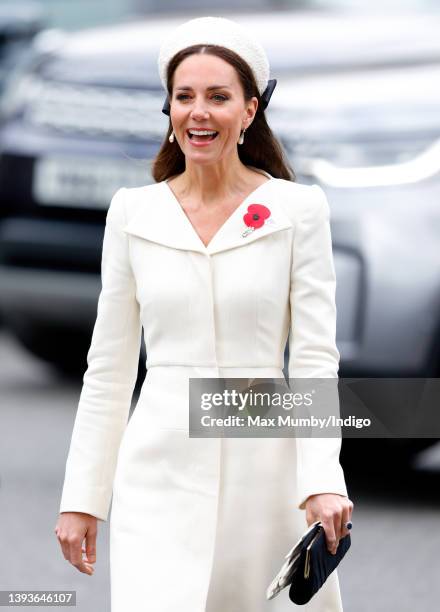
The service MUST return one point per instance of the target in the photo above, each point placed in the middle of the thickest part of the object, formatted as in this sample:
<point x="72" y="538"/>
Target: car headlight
<point x="20" y="89"/>
<point x="23" y="84"/>
<point x="422" y="166"/>
<point x="341" y="150"/>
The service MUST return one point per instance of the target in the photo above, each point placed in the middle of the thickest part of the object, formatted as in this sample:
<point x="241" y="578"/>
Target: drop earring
<point x="171" y="137"/>
<point x="241" y="139"/>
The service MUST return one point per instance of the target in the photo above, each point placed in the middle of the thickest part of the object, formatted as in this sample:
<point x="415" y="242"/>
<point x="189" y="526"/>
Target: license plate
<point x="85" y="182"/>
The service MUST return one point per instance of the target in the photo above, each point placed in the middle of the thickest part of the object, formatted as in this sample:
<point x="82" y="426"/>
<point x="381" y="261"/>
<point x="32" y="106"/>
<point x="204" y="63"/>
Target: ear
<point x="251" y="110"/>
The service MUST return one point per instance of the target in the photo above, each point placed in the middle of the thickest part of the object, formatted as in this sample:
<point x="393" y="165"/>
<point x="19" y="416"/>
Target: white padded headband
<point x="216" y="31"/>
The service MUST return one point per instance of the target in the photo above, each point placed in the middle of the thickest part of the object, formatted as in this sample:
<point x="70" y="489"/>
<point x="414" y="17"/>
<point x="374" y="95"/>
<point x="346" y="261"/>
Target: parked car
<point x="356" y="109"/>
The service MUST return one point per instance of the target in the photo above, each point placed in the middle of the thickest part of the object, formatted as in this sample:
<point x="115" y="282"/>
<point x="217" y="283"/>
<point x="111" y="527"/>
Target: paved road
<point x="393" y="564"/>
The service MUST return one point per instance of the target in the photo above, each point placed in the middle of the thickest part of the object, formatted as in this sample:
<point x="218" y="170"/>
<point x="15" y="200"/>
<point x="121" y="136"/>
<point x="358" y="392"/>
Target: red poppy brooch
<point x="255" y="217"/>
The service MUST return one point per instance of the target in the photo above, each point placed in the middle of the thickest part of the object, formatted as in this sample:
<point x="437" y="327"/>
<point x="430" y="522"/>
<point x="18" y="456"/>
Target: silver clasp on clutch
<point x="307" y="562"/>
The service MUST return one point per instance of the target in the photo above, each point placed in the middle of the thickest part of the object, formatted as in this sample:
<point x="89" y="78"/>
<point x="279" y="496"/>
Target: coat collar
<point x="161" y="219"/>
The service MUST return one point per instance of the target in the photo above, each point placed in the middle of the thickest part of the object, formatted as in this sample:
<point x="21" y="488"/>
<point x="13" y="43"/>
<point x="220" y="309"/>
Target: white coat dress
<point x="203" y="524"/>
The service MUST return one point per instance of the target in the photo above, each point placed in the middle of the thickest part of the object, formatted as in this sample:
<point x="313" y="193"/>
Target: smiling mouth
<point x="204" y="138"/>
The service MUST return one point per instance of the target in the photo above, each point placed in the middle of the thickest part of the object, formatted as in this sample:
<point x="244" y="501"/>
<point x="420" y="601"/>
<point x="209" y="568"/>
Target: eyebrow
<point x="187" y="87"/>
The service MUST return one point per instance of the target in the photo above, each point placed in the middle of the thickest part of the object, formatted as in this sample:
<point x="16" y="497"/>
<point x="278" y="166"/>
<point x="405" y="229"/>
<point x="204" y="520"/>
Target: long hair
<point x="260" y="149"/>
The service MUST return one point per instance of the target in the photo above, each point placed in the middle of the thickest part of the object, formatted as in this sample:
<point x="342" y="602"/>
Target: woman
<point x="203" y="524"/>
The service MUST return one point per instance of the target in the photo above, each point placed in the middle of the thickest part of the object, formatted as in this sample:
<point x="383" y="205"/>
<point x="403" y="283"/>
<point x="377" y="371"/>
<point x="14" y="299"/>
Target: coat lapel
<point x="161" y="219"/>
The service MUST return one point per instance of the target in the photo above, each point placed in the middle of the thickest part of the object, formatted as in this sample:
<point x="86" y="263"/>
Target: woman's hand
<point x="71" y="529"/>
<point x="333" y="511"/>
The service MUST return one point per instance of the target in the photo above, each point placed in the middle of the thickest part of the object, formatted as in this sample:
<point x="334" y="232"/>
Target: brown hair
<point x="260" y="149"/>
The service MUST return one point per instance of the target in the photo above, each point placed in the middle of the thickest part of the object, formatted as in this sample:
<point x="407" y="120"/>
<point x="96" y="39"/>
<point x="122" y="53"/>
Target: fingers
<point x="346" y="516"/>
<point x="63" y="543"/>
<point x="88" y="562"/>
<point x="90" y="548"/>
<point x="75" y="555"/>
<point x="70" y="536"/>
<point x="334" y="511"/>
<point x="331" y="533"/>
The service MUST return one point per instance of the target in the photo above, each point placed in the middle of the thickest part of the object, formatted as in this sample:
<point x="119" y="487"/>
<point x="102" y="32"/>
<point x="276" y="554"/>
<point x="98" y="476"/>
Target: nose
<point x="199" y="111"/>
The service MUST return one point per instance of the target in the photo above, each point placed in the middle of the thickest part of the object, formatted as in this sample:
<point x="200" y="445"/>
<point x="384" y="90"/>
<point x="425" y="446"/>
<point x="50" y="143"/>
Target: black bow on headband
<point x="265" y="97"/>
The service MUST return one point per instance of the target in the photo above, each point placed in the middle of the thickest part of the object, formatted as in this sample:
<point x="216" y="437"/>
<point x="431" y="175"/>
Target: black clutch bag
<point x="308" y="565"/>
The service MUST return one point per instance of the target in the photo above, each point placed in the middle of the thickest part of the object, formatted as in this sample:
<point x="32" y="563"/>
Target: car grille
<point x="97" y="111"/>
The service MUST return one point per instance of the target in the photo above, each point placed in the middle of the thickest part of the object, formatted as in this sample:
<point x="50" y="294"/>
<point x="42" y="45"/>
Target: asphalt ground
<point x="393" y="563"/>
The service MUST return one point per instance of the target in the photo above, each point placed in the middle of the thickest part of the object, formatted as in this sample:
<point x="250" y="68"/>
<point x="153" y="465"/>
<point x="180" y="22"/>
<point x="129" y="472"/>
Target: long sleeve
<point x="109" y="380"/>
<point x="312" y="341"/>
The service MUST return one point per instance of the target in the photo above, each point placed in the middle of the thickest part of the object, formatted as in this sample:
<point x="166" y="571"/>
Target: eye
<point x="222" y="98"/>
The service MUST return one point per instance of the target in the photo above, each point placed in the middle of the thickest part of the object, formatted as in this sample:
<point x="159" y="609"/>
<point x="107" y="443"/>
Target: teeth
<point x="202" y="132"/>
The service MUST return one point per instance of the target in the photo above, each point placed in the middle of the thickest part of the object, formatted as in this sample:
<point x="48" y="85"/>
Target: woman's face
<point x="207" y="94"/>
